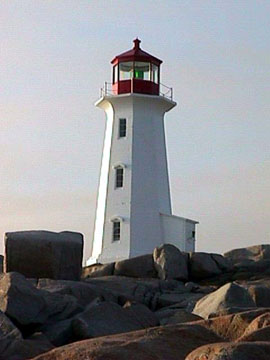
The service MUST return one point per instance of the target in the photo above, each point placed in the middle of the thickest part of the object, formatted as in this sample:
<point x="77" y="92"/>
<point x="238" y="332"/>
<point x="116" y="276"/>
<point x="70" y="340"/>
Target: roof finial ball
<point x="136" y="43"/>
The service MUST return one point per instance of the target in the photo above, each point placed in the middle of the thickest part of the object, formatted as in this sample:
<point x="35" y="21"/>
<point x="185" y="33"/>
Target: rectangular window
<point x="119" y="177"/>
<point x="126" y="70"/>
<point x="115" y="74"/>
<point x="193" y="234"/>
<point x="122" y="128"/>
<point x="155" y="73"/>
<point x="116" y="230"/>
<point x="142" y="70"/>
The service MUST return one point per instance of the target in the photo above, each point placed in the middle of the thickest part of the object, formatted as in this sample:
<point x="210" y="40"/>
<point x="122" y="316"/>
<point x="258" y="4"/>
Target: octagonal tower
<point x="133" y="213"/>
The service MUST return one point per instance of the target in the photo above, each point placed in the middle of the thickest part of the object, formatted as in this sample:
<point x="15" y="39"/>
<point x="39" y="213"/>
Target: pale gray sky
<point x="55" y="55"/>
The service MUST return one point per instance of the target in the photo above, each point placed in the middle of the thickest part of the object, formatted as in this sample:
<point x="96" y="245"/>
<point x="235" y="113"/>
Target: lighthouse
<point x="133" y="211"/>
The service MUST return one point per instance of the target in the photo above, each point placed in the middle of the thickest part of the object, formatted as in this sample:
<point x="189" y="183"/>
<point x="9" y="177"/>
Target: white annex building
<point x="134" y="213"/>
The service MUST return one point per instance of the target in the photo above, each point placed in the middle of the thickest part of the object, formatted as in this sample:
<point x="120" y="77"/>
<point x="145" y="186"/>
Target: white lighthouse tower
<point x="133" y="213"/>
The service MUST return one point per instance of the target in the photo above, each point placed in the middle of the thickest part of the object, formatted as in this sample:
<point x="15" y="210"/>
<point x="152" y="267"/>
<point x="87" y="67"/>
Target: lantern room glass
<point x="155" y="73"/>
<point x="126" y="70"/>
<point x="115" y="74"/>
<point x="142" y="70"/>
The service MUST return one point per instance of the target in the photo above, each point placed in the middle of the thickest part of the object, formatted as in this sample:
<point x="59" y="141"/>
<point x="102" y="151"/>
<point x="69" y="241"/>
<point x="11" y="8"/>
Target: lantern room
<point x="136" y="71"/>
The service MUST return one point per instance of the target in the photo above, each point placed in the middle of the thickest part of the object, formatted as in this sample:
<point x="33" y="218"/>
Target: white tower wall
<point x="145" y="192"/>
<point x="118" y="199"/>
<point x="150" y="193"/>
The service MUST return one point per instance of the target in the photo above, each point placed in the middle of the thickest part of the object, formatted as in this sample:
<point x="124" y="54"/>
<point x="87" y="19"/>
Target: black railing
<point x="165" y="91"/>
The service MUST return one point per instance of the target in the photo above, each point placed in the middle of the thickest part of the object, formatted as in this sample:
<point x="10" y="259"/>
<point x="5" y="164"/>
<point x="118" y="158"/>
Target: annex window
<point x="116" y="230"/>
<point x="122" y="128"/>
<point x="119" y="177"/>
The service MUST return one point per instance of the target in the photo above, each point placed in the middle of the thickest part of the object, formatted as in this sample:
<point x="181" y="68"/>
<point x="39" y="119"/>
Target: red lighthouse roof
<point x="136" y="54"/>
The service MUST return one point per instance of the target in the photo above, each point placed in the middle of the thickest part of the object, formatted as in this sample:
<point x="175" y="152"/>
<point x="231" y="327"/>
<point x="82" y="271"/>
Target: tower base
<point x="176" y="230"/>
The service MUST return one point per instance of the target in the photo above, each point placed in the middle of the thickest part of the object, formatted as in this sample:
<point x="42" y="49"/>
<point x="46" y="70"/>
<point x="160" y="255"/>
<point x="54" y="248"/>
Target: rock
<point x="134" y="289"/>
<point x="250" y="262"/>
<point x="232" y="351"/>
<point x="252" y="334"/>
<point x="231" y="327"/>
<point x="107" y="318"/>
<point x="145" y="291"/>
<point x="97" y="270"/>
<point x="136" y="315"/>
<point x="27" y="349"/>
<point x="118" y="285"/>
<point x="127" y="286"/>
<point x="170" y="262"/>
<point x="84" y="292"/>
<point x="203" y="265"/>
<point x="21" y="301"/>
<point x="187" y="300"/>
<point x="233" y="310"/>
<point x="191" y="286"/>
<point x="260" y="293"/>
<point x="8" y="334"/>
<point x="259" y="322"/>
<point x="169" y="342"/>
<point x="224" y="264"/>
<point x="246" y="268"/>
<point x="175" y="316"/>
<point x="26" y="305"/>
<point x="196" y="288"/>
<point x="218" y="280"/>
<point x="228" y="296"/>
<point x="1" y="263"/>
<point x="179" y="289"/>
<point x="59" y="307"/>
<point x="7" y="329"/>
<point x="258" y="335"/>
<point x="256" y="252"/>
<point x="141" y="313"/>
<point x="44" y="254"/>
<point x="59" y="333"/>
<point x="139" y="267"/>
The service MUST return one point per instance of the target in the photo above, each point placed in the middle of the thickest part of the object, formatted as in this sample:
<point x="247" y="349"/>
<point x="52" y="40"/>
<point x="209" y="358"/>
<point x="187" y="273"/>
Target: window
<point x="122" y="128"/>
<point x="126" y="70"/>
<point x="193" y="234"/>
<point x="116" y="230"/>
<point x="119" y="177"/>
<point x="115" y="74"/>
<point x="155" y="73"/>
<point x="142" y="70"/>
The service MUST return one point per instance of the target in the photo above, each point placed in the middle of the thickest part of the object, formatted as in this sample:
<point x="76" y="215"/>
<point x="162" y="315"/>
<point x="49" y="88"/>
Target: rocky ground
<point x="168" y="305"/>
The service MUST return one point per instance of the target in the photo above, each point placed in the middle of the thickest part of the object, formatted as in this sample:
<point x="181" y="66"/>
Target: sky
<point x="54" y="58"/>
